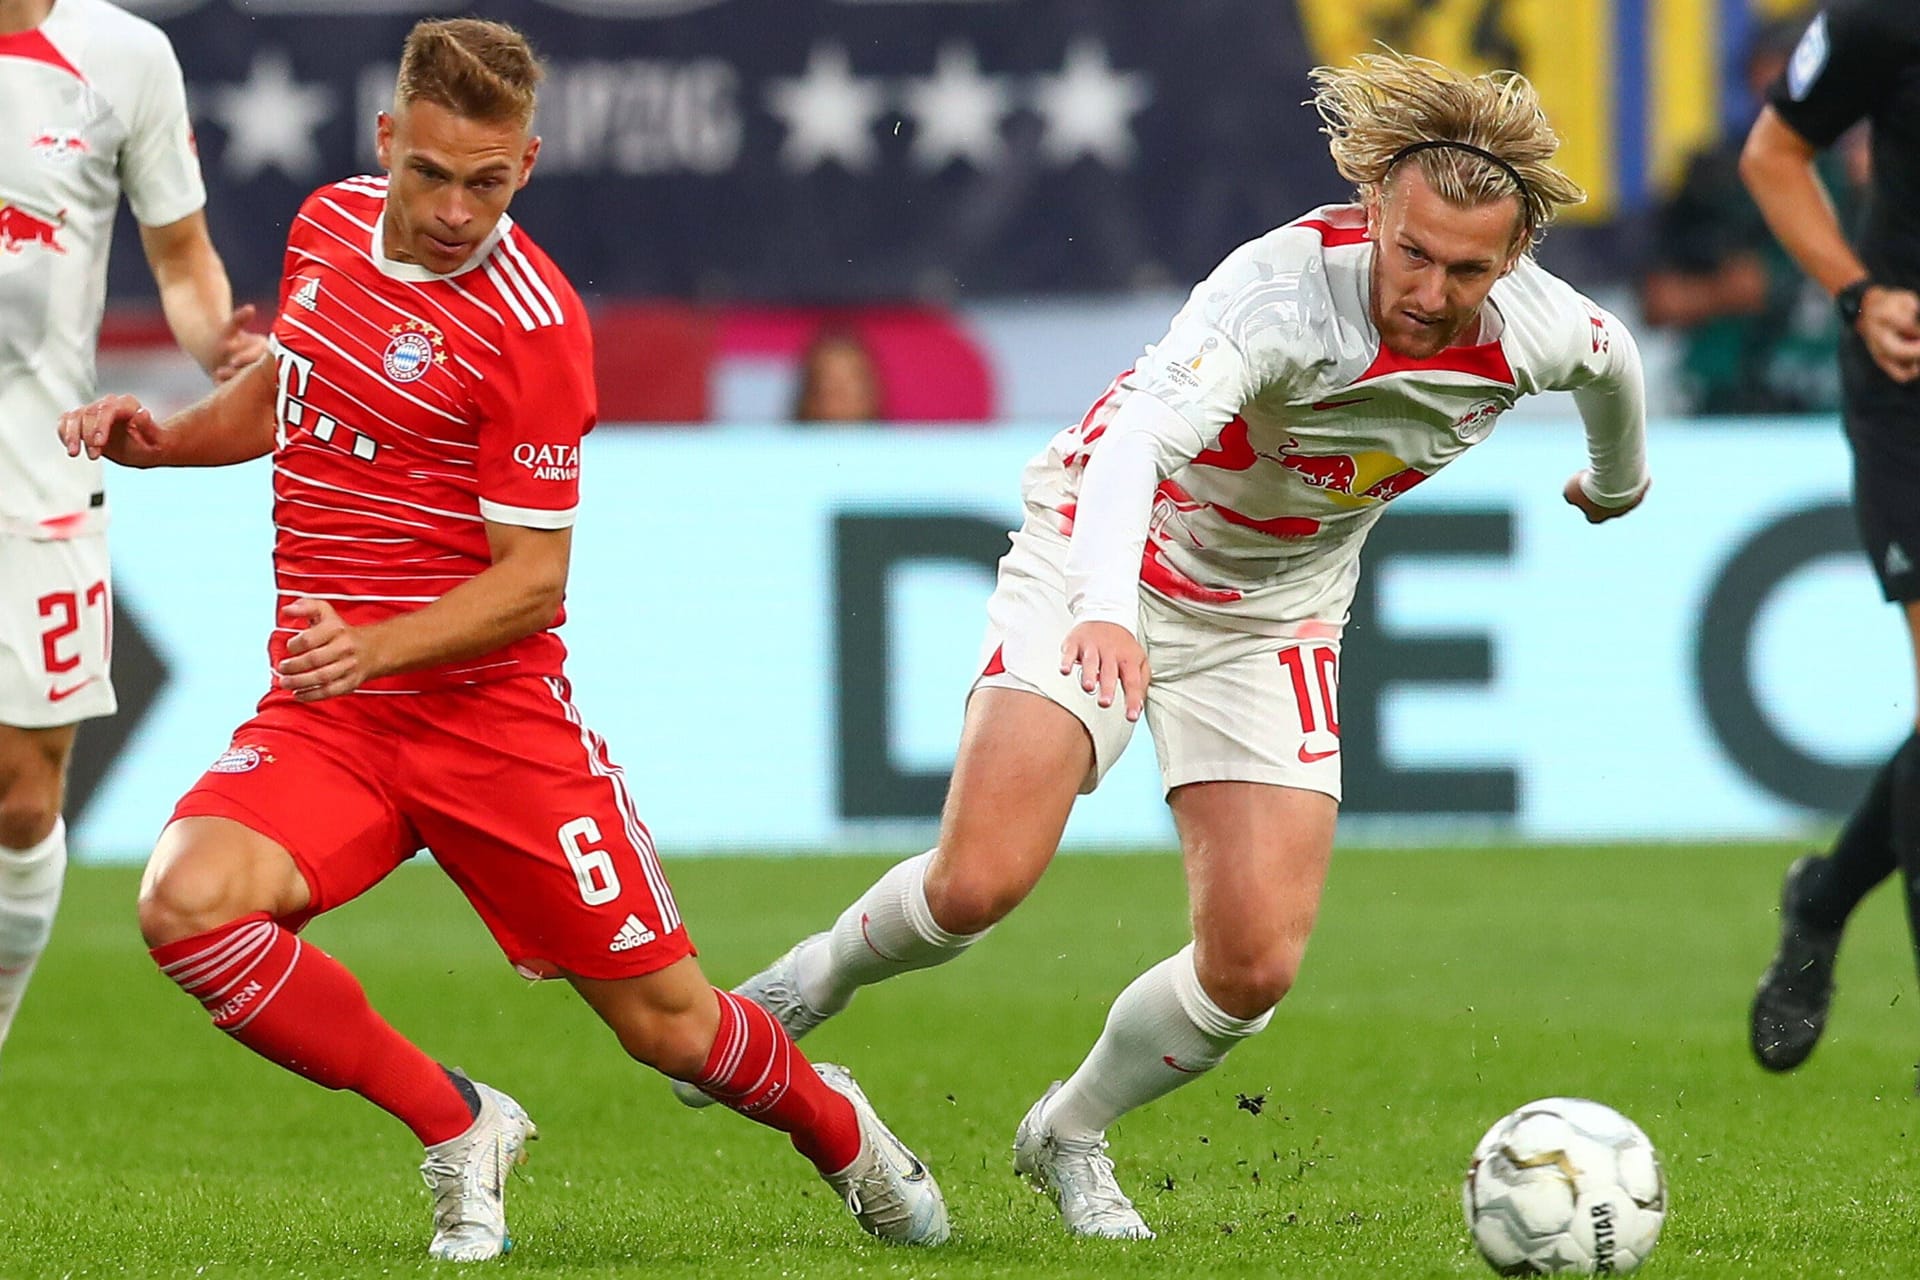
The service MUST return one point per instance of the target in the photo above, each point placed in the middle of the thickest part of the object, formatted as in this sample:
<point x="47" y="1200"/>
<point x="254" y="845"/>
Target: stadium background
<point x="1007" y="198"/>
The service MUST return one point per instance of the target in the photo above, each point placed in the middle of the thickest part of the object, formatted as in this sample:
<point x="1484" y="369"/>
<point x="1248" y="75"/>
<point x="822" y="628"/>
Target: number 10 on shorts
<point x="1326" y="682"/>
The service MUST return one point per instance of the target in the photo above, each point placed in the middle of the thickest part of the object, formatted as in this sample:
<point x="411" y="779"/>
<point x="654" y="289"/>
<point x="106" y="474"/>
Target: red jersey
<point x="412" y="409"/>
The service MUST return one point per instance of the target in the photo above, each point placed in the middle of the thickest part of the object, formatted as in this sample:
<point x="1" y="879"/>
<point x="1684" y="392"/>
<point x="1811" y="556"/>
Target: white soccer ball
<point x="1564" y="1186"/>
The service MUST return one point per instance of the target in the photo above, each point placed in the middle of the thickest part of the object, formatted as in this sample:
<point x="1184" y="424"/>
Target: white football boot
<point x="468" y="1178"/>
<point x="888" y="1190"/>
<point x="776" y="989"/>
<point x="1078" y="1175"/>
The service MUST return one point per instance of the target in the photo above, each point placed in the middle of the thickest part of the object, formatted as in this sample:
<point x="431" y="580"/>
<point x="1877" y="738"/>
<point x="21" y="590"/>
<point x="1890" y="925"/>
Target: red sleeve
<point x="536" y="401"/>
<point x="298" y="260"/>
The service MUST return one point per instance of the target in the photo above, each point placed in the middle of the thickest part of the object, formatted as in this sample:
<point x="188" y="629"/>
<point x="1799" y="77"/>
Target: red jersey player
<point x="428" y="387"/>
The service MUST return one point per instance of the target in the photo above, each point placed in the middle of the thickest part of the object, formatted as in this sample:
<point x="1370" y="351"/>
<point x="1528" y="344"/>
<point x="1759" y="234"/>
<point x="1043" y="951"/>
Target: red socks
<point x="295" y="1005"/>
<point x="756" y="1069"/>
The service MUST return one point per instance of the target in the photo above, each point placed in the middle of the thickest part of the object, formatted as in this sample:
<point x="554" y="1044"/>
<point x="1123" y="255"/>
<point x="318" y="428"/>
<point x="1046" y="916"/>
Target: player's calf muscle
<point x="666" y="1019"/>
<point x="32" y="783"/>
<point x="1247" y="981"/>
<point x="969" y="895"/>
<point x="202" y="876"/>
<point x="28" y="810"/>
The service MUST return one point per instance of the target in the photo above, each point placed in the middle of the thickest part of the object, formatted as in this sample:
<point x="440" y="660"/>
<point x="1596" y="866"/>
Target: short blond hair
<point x="480" y="70"/>
<point x="1389" y="101"/>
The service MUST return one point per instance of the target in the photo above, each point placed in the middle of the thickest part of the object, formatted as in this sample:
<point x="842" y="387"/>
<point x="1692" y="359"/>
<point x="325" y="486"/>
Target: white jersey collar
<point x="413" y="272"/>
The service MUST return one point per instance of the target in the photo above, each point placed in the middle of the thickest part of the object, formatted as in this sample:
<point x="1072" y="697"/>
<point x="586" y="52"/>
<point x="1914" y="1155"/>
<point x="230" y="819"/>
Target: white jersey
<point x="1284" y="427"/>
<point x="91" y="105"/>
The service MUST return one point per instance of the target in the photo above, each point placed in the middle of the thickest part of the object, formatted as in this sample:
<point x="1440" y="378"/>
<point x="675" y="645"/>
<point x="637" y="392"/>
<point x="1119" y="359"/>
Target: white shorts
<point x="1223" y="706"/>
<point x="56" y="624"/>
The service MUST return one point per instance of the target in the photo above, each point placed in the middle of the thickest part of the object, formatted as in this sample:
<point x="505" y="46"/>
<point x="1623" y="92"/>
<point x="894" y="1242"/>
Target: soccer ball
<point x="1564" y="1186"/>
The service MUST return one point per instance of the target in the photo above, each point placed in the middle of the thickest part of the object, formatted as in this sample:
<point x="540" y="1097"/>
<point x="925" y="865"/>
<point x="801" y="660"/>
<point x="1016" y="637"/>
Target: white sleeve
<point x="1612" y="399"/>
<point x="1255" y="327"/>
<point x="1146" y="442"/>
<point x="1251" y="329"/>
<point x="159" y="169"/>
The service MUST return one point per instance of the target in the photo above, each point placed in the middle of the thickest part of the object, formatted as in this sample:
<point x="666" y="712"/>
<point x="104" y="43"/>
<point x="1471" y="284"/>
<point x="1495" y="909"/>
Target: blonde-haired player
<point x="1206" y="518"/>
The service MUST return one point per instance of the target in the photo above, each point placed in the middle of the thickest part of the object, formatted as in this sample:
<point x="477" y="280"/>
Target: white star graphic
<point x="1089" y="106"/>
<point x="957" y="111"/>
<point x="269" y="119"/>
<point x="828" y="113"/>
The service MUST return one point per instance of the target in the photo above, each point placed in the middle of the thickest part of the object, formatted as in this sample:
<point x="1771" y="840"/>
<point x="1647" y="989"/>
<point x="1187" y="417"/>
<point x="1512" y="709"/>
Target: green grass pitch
<point x="1441" y="990"/>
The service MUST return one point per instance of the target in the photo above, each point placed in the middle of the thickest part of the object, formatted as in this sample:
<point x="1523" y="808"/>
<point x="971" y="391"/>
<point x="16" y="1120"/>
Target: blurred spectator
<point x="1758" y="336"/>
<point x="839" y="380"/>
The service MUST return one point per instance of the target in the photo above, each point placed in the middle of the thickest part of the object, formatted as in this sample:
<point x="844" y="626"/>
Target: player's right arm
<point x="1145" y="442"/>
<point x="1847" y="59"/>
<point x="234" y="424"/>
<point x="1251" y="333"/>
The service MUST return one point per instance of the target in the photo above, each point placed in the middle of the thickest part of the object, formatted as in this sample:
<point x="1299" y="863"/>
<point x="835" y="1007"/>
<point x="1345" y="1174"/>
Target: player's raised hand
<point x="1110" y="661"/>
<point x="326" y="657"/>
<point x="117" y="428"/>
<point x="239" y="347"/>
<point x="1890" y="326"/>
<point x="1576" y="496"/>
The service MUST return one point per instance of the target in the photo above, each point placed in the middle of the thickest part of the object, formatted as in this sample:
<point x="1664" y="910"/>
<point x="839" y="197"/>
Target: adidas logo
<point x="1897" y="562"/>
<point x="632" y="934"/>
<point x="308" y="294"/>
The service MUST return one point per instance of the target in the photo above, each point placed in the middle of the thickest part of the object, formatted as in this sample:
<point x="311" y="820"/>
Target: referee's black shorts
<point x="1883" y="425"/>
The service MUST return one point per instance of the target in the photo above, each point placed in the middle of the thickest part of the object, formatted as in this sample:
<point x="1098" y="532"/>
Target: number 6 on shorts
<point x="592" y="868"/>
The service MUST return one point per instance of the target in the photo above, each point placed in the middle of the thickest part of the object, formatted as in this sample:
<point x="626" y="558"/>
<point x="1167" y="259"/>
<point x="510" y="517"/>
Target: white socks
<point x="889" y="929"/>
<point x="30" y="882"/>
<point x="1162" y="1032"/>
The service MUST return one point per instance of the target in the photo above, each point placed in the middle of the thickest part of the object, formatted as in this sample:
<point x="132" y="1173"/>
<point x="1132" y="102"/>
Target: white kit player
<point x="1206" y="518"/>
<point x="91" y="105"/>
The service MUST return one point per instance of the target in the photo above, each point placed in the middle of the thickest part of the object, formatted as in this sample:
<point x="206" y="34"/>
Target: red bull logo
<point x="1597" y="331"/>
<point x="59" y="145"/>
<point x="21" y="227"/>
<point x="1336" y="472"/>
<point x="1476" y="424"/>
<point x="1353" y="479"/>
<point x="1394" y="485"/>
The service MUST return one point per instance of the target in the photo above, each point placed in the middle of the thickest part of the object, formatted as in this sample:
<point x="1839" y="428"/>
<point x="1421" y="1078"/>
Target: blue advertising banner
<point x="776" y="630"/>
<point x="826" y="150"/>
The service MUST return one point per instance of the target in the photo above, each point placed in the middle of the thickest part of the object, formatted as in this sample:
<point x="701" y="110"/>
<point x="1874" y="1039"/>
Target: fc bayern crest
<point x="414" y="348"/>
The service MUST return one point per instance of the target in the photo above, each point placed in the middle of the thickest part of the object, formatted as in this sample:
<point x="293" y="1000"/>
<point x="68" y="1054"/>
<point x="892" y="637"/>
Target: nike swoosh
<point x="61" y="695"/>
<point x="1187" y="1071"/>
<point x="1314" y="757"/>
<point x="868" y="939"/>
<point x="1324" y="405"/>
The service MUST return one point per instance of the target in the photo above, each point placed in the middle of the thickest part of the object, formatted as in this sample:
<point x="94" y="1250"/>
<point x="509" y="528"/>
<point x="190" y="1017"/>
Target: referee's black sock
<point x="1864" y="854"/>
<point x="1906" y="826"/>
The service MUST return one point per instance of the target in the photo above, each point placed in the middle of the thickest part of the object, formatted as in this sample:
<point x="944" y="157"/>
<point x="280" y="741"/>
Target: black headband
<point x="1470" y="149"/>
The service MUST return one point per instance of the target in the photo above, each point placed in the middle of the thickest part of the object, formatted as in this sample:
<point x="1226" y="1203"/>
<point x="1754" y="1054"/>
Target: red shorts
<point x="513" y="795"/>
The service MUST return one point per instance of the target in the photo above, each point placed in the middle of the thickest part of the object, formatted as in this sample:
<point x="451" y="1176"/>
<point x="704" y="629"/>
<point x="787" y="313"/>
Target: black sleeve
<point x="1842" y="67"/>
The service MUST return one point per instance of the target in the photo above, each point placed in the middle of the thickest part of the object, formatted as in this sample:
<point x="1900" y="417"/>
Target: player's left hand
<point x="239" y="347"/>
<point x="327" y="657"/>
<point x="1576" y="495"/>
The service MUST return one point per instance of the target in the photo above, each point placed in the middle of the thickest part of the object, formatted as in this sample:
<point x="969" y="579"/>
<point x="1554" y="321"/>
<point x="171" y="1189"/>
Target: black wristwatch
<point x="1848" y="301"/>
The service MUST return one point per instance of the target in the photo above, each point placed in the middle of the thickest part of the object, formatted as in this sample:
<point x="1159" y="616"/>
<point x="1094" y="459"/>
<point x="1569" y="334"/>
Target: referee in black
<point x="1858" y="60"/>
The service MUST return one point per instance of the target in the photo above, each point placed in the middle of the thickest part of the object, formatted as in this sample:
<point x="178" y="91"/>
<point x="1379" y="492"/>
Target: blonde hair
<point x="1389" y="101"/>
<point x="480" y="70"/>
